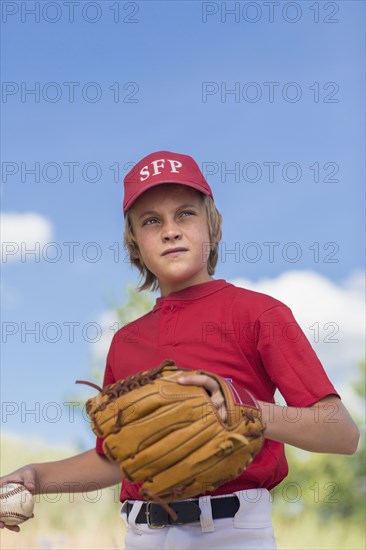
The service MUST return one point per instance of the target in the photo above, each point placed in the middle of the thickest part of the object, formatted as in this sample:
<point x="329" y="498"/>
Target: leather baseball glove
<point x="170" y="436"/>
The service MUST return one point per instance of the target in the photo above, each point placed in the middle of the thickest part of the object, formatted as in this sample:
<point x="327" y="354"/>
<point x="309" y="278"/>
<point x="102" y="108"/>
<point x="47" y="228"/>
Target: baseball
<point x="16" y="504"/>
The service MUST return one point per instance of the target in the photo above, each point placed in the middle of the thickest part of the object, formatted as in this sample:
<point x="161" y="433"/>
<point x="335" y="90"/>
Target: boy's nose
<point x="171" y="231"/>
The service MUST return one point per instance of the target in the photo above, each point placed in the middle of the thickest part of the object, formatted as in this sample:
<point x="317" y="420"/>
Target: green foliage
<point x="137" y="304"/>
<point x="307" y="531"/>
<point x="360" y="385"/>
<point x="332" y="486"/>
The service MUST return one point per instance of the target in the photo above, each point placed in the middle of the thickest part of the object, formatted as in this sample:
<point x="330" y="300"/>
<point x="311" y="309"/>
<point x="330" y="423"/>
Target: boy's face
<point x="170" y="217"/>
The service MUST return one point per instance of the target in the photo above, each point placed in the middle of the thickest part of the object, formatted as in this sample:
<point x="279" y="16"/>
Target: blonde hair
<point x="149" y="281"/>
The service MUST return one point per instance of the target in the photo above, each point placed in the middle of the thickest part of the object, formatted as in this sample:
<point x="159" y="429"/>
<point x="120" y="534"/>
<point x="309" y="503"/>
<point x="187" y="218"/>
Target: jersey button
<point x="171" y="308"/>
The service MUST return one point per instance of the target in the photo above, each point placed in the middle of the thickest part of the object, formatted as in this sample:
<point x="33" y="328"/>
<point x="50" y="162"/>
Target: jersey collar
<point x="194" y="292"/>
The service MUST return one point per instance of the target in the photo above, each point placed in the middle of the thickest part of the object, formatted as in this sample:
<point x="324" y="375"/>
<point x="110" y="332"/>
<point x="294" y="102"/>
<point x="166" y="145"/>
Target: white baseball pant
<point x="250" y="529"/>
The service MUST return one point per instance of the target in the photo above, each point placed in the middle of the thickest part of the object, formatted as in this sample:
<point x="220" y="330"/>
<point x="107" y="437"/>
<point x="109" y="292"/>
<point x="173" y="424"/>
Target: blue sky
<point x="171" y="63"/>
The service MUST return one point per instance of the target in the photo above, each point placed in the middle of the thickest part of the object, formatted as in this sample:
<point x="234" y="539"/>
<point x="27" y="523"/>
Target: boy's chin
<point x="178" y="281"/>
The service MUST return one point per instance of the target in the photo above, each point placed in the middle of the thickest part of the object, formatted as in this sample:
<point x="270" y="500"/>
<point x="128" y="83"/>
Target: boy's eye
<point x="150" y="221"/>
<point x="187" y="213"/>
<point x="183" y="214"/>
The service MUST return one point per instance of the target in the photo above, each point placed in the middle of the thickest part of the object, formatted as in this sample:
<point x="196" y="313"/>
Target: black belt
<point x="187" y="511"/>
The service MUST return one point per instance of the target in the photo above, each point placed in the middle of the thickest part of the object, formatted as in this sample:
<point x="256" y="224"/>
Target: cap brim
<point x="192" y="185"/>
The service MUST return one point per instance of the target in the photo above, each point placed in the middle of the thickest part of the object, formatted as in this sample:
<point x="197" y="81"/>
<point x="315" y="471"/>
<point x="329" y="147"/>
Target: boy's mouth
<point x="172" y="250"/>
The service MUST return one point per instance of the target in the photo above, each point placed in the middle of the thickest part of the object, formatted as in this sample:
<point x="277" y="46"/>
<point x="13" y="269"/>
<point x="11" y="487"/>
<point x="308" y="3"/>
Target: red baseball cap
<point x="163" y="167"/>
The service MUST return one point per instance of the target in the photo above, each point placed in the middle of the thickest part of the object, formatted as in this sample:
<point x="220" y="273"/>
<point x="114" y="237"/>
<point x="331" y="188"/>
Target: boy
<point x="172" y="231"/>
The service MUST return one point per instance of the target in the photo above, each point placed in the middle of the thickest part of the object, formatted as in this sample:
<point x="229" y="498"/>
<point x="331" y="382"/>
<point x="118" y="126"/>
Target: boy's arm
<point x="76" y="474"/>
<point x="68" y="475"/>
<point x="325" y="427"/>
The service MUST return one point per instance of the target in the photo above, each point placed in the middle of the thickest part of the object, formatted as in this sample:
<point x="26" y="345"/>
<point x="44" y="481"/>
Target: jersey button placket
<point x="168" y="323"/>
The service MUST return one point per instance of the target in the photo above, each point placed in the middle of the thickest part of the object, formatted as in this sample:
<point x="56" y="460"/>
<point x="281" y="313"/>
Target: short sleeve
<point x="289" y="360"/>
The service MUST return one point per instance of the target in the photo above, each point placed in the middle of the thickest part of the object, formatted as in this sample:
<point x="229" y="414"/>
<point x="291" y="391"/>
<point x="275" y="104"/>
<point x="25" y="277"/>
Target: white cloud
<point x="109" y="324"/>
<point x="331" y="315"/>
<point x="21" y="233"/>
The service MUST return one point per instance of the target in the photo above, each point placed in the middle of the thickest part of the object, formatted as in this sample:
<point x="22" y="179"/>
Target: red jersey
<point x="244" y="336"/>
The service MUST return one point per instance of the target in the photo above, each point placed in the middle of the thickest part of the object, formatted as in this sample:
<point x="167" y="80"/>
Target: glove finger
<point x="217" y="462"/>
<point x="150" y="429"/>
<point x="171" y="450"/>
<point x="147" y="399"/>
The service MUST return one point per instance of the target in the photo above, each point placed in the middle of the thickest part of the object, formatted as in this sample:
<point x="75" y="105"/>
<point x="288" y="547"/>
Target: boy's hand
<point x="212" y="387"/>
<point x="27" y="477"/>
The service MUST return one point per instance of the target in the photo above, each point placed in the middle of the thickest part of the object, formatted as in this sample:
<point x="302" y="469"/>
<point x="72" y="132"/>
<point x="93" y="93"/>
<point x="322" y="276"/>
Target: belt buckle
<point x="148" y="518"/>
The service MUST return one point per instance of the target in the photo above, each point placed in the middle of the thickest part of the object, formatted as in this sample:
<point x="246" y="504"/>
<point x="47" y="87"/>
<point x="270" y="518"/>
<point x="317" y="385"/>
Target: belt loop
<point x="207" y="524"/>
<point x="133" y="515"/>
